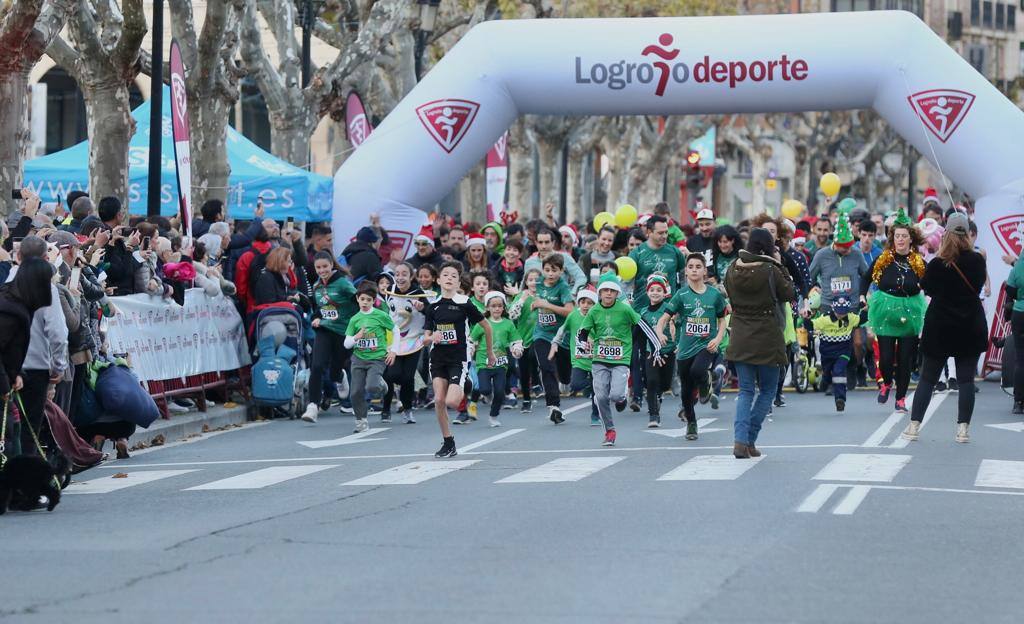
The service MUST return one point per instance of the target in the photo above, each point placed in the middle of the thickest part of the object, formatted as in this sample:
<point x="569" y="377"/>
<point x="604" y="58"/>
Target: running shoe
<point x="471" y="410"/>
<point x="341" y="387"/>
<point x="429" y="405"/>
<point x="525" y="409"/>
<point x="912" y="431"/>
<point x="361" y="425"/>
<point x="715" y="399"/>
<point x="1018" y="407"/>
<point x="447" y="449"/>
<point x="654" y="424"/>
<point x="634" y="405"/>
<point x="682" y="414"/>
<point x="345" y="407"/>
<point x="461" y="419"/>
<point x="780" y="401"/>
<point x="961" y="433"/>
<point x="609" y="438"/>
<point x="883" y="393"/>
<point x="691" y="430"/>
<point x="385" y="418"/>
<point x="311" y="413"/>
<point x="409" y="418"/>
<point x="901" y="406"/>
<point x="510" y="402"/>
<point x="621" y="405"/>
<point x="940" y="387"/>
<point x="840" y="405"/>
<point x="494" y="422"/>
<point x="704" y="391"/>
<point x="555" y="415"/>
<point x="595" y="421"/>
<point x="953" y="386"/>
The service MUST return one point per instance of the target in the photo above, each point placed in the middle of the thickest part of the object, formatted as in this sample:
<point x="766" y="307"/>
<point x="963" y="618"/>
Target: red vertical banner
<point x="180" y="135"/>
<point x="497" y="177"/>
<point x="357" y="124"/>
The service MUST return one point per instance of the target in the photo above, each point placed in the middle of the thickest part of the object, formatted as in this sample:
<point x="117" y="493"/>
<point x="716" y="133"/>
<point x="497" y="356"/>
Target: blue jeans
<point x="750" y="409"/>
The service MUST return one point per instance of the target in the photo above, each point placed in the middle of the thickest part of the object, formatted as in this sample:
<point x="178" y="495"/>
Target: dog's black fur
<point x="24" y="479"/>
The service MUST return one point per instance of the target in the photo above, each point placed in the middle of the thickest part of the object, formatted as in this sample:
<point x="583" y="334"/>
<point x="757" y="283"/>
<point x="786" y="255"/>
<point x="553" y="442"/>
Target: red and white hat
<point x="705" y="213"/>
<point x="475" y="239"/>
<point x="570" y="231"/>
<point x="426" y="235"/>
<point x="586" y="293"/>
<point x="931" y="196"/>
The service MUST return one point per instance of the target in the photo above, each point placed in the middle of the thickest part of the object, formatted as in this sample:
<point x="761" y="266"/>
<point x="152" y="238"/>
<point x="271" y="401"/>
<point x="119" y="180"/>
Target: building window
<point x="976" y="12"/>
<point x="986" y="14"/>
<point x="855" y="5"/>
<point x="1011" y="18"/>
<point x="255" y="120"/>
<point x="1000" y="17"/>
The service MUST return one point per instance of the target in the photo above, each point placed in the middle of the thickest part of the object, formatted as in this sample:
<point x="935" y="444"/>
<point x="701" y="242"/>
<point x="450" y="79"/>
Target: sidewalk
<point x="182" y="426"/>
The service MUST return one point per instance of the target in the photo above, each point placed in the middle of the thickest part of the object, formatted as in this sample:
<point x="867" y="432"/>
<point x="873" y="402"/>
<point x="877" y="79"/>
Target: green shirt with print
<point x="610" y="333"/>
<point x="503" y="334"/>
<point x="335" y="302"/>
<point x="377" y="325"/>
<point x="527" y="319"/>
<point x="1016" y="280"/>
<point x="667" y="260"/>
<point x="579" y="355"/>
<point x="548" y="322"/>
<point x="651" y="315"/>
<point x="699" y="315"/>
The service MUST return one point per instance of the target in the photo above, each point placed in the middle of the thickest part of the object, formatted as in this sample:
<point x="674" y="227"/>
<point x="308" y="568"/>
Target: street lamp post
<point x="156" y="116"/>
<point x="308" y="18"/>
<point x="428" y="18"/>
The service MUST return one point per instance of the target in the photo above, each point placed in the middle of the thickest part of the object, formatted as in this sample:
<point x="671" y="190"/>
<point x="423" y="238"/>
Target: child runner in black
<point x="445" y="323"/>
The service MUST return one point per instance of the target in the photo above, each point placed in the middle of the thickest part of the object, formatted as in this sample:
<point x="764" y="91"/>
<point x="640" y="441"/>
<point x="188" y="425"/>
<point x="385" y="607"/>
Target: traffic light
<point x="694" y="173"/>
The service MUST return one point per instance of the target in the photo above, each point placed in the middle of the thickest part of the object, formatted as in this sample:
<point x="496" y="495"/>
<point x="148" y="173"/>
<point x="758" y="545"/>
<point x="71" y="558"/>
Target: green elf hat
<point x="609" y="281"/>
<point x="657" y="279"/>
<point x="844" y="236"/>
<point x="847" y="205"/>
<point x="902" y="218"/>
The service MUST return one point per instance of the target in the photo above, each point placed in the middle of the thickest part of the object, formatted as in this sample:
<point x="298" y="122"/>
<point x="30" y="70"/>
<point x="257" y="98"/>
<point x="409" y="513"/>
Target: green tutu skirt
<point x="896" y="317"/>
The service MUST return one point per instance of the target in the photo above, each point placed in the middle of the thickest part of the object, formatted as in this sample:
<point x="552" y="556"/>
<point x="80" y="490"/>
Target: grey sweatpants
<point x="609" y="387"/>
<point x="366" y="375"/>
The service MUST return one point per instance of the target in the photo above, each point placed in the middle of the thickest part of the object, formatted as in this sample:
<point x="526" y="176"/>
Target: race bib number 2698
<point x="610" y="352"/>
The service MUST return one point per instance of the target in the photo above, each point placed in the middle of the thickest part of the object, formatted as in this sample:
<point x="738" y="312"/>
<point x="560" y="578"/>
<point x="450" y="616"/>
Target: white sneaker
<point x="409" y="418"/>
<point x="494" y="421"/>
<point x="311" y="413"/>
<point x="342" y="386"/>
<point x="912" y="431"/>
<point x="961" y="433"/>
<point x="175" y="408"/>
<point x="361" y="425"/>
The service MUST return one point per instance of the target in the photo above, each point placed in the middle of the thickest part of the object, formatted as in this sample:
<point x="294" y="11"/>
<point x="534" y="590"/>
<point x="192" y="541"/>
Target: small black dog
<point x="23" y="480"/>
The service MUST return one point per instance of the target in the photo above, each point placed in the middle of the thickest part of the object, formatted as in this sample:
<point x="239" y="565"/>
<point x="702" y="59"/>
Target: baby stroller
<point x="280" y="374"/>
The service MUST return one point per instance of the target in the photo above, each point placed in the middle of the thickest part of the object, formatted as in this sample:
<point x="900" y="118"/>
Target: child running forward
<point x="371" y="335"/>
<point x="579" y="352"/>
<point x="553" y="304"/>
<point x="445" y="323"/>
<point x="493" y="379"/>
<point x="608" y="330"/>
<point x="658" y="376"/>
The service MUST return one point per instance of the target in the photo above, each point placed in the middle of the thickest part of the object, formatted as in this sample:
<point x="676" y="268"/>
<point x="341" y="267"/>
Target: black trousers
<point x="693" y="371"/>
<point x="658" y="380"/>
<point x="527" y="373"/>
<point x="1017" y="324"/>
<point x="931" y="368"/>
<point x="896" y="358"/>
<point x="402" y="373"/>
<point x="33" y="396"/>
<point x="329" y="356"/>
<point x="492" y="384"/>
<point x="551" y="371"/>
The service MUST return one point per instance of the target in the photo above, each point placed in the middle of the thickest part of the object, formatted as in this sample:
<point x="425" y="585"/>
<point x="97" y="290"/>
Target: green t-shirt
<point x="503" y="334"/>
<point x="651" y="317"/>
<point x="479" y="305"/>
<point x="579" y="355"/>
<point x="667" y="260"/>
<point x="699" y="314"/>
<point x="547" y="321"/>
<point x="374" y="344"/>
<point x="1016" y="280"/>
<point x="527" y="320"/>
<point x="611" y="333"/>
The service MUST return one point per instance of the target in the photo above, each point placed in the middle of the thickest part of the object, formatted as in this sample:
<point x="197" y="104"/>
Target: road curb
<point x="182" y="426"/>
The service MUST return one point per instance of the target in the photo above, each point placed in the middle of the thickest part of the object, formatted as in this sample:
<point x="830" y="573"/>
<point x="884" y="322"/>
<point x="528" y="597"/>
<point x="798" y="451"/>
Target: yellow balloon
<point x="792" y="209"/>
<point x="625" y="216"/>
<point x="627" y="268"/>
<point x="602" y="219"/>
<point x="830" y="184"/>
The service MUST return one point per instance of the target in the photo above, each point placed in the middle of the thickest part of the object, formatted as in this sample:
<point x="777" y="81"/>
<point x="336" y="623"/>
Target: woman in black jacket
<point x="954" y="325"/>
<point x="273" y="285"/>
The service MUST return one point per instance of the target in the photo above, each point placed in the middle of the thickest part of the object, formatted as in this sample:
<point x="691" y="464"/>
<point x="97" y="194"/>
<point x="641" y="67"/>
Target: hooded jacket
<point x="362" y="259"/>
<point x="335" y="299"/>
<point x="494" y="225"/>
<point x="755" y="333"/>
<point x="434" y="258"/>
<point x="15" y="321"/>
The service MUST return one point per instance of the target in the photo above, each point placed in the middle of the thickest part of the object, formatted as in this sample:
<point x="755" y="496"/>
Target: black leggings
<point x="896" y="357"/>
<point x="527" y="373"/>
<point x="1017" y="325"/>
<point x="492" y="384"/>
<point x="329" y="355"/>
<point x="403" y="373"/>
<point x="551" y="371"/>
<point x="931" y="368"/>
<point x="659" y="380"/>
<point x="693" y="371"/>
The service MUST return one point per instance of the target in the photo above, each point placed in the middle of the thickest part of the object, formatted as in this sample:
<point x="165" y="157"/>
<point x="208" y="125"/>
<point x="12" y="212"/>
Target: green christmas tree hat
<point x="844" y="235"/>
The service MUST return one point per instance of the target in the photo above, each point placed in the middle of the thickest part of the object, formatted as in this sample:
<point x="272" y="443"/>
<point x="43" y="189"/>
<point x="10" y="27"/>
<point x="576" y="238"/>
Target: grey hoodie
<point x="838" y="276"/>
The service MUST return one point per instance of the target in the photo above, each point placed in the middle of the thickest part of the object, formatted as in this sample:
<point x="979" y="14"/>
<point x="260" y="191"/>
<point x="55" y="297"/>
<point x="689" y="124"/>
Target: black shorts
<point x="455" y="373"/>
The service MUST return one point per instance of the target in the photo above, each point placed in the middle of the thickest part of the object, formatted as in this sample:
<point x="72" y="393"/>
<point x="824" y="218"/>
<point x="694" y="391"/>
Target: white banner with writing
<point x="168" y="341"/>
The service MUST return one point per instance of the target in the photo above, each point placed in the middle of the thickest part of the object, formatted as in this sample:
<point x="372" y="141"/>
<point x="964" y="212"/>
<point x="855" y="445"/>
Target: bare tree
<point x="26" y="29"/>
<point x="752" y="135"/>
<point x="104" y="62"/>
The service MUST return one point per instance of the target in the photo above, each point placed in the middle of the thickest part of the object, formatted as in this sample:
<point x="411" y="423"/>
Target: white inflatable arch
<point x="886" y="60"/>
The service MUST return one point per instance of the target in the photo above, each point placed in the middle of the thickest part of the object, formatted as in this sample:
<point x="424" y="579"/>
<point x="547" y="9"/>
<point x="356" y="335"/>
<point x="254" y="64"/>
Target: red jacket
<point x="242" y="273"/>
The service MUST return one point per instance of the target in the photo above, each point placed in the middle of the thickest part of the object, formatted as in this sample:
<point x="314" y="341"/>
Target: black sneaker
<point x="1018" y="407"/>
<point x="633" y="405"/>
<point x="691" y="430"/>
<point x="525" y="409"/>
<point x="447" y="449"/>
<point x="461" y="419"/>
<point x="385" y="418"/>
<point x="840" y="405"/>
<point x="704" y="392"/>
<point x="780" y="401"/>
<point x="940" y="387"/>
<point x="556" y="415"/>
<point x="621" y="405"/>
<point x="953" y="387"/>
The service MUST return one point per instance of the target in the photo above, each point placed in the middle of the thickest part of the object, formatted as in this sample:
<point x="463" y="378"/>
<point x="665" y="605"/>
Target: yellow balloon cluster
<point x="627" y="268"/>
<point x="792" y="209"/>
<point x="625" y="216"/>
<point x="830" y="184"/>
<point x="602" y="219"/>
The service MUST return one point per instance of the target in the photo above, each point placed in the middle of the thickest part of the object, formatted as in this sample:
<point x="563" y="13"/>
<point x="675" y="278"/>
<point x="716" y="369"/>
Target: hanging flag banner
<point x="357" y="124"/>
<point x="497" y="177"/>
<point x="180" y="134"/>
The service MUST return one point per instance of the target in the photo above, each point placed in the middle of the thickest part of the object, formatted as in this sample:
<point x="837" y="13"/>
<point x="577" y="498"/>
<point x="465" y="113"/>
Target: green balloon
<point x="847" y="204"/>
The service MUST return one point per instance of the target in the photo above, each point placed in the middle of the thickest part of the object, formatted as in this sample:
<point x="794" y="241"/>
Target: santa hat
<point x="609" y="281"/>
<point x="494" y="294"/>
<point x="570" y="231"/>
<point x="658" y="280"/>
<point x="930" y="196"/>
<point x="799" y="239"/>
<point x="426" y="235"/>
<point x="586" y="293"/>
<point x="475" y="239"/>
<point x="643" y="218"/>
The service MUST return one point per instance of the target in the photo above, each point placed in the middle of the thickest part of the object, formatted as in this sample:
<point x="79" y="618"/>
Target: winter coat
<point x="270" y="287"/>
<point x="212" y="285"/>
<point x="15" y="324"/>
<point x="238" y="245"/>
<point x="121" y="268"/>
<point x="363" y="260"/>
<point x="756" y="330"/>
<point x="434" y="259"/>
<point x="147" y="275"/>
<point x="242" y="272"/>
<point x="48" y="344"/>
<point x="199" y="227"/>
<point x="955" y="323"/>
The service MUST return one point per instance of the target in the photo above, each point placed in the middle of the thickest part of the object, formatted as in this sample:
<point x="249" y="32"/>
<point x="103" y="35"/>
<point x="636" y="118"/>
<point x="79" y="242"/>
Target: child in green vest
<point x="579" y="353"/>
<point x="492" y="380"/>
<point x="371" y="337"/>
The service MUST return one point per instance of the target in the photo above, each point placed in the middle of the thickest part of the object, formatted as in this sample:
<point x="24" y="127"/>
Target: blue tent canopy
<point x="287" y="190"/>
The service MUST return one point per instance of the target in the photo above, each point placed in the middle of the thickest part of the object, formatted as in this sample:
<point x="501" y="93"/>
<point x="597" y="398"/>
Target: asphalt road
<point x="840" y="521"/>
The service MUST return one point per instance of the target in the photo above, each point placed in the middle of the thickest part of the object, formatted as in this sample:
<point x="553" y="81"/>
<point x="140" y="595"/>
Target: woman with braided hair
<point x="896" y="308"/>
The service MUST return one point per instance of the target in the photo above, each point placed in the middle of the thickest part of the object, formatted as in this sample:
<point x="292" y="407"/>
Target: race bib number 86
<point x="449" y="336"/>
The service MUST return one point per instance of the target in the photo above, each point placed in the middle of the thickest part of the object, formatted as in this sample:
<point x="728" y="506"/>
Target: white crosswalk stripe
<point x="105" y="485"/>
<point x="1000" y="474"/>
<point x="262" y="478"/>
<point x="711" y="468"/>
<point x="413" y="472"/>
<point x="863" y="467"/>
<point x="562" y="470"/>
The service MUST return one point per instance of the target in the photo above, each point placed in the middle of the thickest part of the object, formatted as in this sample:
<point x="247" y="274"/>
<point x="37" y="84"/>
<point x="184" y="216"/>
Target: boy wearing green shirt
<point x="608" y="332"/>
<point x="492" y="380"/>
<point x="525" y="317"/>
<point x="579" y="352"/>
<point x="658" y="376"/>
<point x="370" y="335"/>
<point x="553" y="303"/>
<point x="702" y="326"/>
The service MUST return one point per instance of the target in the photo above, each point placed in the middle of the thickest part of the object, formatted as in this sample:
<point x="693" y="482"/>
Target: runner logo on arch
<point x="448" y="120"/>
<point x="941" y="110"/>
<point x="1009" y="232"/>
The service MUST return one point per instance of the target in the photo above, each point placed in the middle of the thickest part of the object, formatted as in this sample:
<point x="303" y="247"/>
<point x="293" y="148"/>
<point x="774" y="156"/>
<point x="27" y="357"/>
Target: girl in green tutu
<point x="896" y="307"/>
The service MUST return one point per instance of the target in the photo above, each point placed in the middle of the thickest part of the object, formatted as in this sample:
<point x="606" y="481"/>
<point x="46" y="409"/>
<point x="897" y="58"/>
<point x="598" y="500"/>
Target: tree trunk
<point x="759" y="174"/>
<point x="649" y="190"/>
<point x="872" y="187"/>
<point x="615" y="168"/>
<point x="290" y="135"/>
<point x="574" y="188"/>
<point x="549" y="157"/>
<point x="210" y="167"/>
<point x="110" y="126"/>
<point x="14" y="134"/>
<point x="472" y="195"/>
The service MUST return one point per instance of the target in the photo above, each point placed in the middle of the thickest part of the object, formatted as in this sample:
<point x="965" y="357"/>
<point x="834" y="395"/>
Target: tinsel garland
<point x="889" y="256"/>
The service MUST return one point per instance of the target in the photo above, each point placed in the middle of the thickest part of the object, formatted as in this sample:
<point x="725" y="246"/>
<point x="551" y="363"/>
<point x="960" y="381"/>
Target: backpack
<point x="273" y="378"/>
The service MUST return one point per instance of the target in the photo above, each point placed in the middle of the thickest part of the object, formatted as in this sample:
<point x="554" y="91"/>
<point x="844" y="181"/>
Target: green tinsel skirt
<point x="896" y="317"/>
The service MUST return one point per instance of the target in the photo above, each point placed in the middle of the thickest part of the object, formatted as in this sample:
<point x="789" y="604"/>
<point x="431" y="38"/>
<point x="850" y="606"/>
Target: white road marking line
<point x="711" y="468"/>
<point x="493" y="438"/>
<point x="262" y="478"/>
<point x="1016" y="427"/>
<point x="1000" y="474"/>
<point x="852" y="500"/>
<point x="863" y="467"/>
<point x="575" y="408"/>
<point x="880" y="434"/>
<point x="817" y="498"/>
<point x="355" y="438"/>
<point x="413" y="473"/>
<point x="937" y="399"/>
<point x="562" y="470"/>
<point x="618" y="449"/>
<point x="105" y="485"/>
